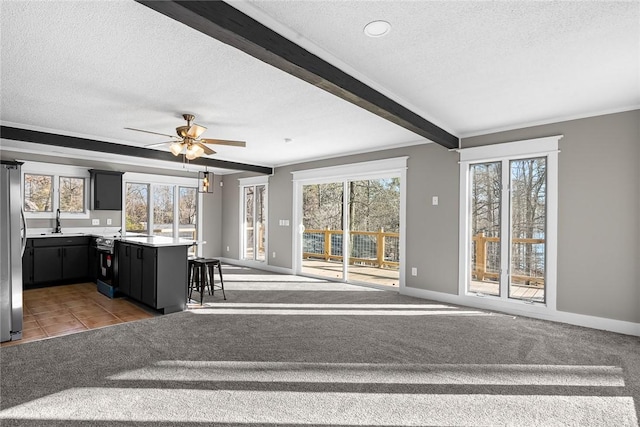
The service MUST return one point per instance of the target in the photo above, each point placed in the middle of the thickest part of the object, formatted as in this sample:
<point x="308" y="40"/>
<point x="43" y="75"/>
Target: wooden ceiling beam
<point x="222" y="22"/>
<point x="38" y="137"/>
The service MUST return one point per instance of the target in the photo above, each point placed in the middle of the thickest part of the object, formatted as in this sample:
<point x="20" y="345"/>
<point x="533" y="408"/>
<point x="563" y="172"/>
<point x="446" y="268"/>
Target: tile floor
<point x="67" y="309"/>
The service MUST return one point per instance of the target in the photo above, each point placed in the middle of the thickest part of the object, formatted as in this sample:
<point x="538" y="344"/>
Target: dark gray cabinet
<point x="107" y="189"/>
<point x="47" y="264"/>
<point x="122" y="268"/>
<point x="155" y="276"/>
<point x="137" y="277"/>
<point x="75" y="261"/>
<point x="54" y="259"/>
<point x="148" y="260"/>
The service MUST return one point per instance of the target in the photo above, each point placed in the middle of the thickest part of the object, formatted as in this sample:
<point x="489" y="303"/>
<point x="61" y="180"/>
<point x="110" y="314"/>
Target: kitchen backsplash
<point x="101" y="216"/>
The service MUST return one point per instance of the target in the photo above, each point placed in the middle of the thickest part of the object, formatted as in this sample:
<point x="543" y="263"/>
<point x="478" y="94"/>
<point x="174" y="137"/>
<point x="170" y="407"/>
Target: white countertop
<point x="71" y="234"/>
<point x="146" y="240"/>
<point x="157" y="241"/>
<point x="108" y="232"/>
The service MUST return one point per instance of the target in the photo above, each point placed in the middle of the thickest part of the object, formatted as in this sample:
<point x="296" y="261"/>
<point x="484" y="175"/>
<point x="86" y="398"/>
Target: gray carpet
<point x="285" y="351"/>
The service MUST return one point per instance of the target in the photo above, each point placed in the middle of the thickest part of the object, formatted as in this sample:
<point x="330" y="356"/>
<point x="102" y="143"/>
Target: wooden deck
<point x="534" y="293"/>
<point x="390" y="278"/>
<point x="357" y="273"/>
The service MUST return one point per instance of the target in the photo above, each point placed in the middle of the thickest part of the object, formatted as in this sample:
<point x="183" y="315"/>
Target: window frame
<point x="506" y="152"/>
<point x="374" y="169"/>
<point x="160" y="180"/>
<point x="56" y="172"/>
<point x="254" y="182"/>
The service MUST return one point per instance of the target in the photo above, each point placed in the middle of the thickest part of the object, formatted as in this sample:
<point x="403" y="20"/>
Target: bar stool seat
<point x="201" y="276"/>
<point x="193" y="275"/>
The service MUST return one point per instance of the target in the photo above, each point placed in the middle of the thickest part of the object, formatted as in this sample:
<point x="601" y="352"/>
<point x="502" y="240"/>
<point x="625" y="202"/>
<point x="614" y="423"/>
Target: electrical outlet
<point x="95" y="221"/>
<point x="109" y="221"/>
<point x="227" y="248"/>
<point x="414" y="271"/>
<point x="274" y="255"/>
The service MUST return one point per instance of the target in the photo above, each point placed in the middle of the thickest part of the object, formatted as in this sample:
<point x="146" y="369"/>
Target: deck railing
<point x="483" y="267"/>
<point x="374" y="248"/>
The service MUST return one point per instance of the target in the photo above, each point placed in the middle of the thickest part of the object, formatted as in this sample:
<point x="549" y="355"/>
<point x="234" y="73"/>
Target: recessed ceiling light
<point x="377" y="28"/>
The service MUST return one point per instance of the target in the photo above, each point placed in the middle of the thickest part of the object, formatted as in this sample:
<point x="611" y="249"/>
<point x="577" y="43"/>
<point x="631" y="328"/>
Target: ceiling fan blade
<point x="224" y="142"/>
<point x="155" y="133"/>
<point x="195" y="131"/>
<point x="159" y="144"/>
<point x="206" y="149"/>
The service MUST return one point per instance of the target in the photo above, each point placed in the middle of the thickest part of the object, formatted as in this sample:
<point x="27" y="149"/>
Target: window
<point x="187" y="212"/>
<point x="38" y="193"/>
<point x="509" y="221"/>
<point x="161" y="206"/>
<point x="253" y="196"/>
<point x="137" y="208"/>
<point x="163" y="196"/>
<point x="49" y="187"/>
<point x="71" y="194"/>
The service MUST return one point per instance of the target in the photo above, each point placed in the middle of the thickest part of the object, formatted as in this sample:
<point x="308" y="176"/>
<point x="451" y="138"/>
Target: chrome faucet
<point x="58" y="227"/>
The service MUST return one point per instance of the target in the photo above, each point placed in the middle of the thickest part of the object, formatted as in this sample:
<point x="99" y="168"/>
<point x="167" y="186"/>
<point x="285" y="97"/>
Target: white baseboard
<point x="257" y="265"/>
<point x="602" y="323"/>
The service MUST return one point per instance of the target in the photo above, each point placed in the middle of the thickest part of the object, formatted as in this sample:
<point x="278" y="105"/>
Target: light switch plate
<point x="109" y="221"/>
<point x="95" y="221"/>
<point x="434" y="200"/>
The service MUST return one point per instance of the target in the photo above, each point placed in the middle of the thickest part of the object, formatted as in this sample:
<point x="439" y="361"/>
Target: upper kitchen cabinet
<point x="107" y="189"/>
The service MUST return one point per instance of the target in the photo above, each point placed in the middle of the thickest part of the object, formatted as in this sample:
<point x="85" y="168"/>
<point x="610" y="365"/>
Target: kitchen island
<point x="153" y="270"/>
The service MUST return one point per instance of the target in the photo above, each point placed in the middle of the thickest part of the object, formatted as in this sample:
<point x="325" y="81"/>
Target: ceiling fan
<point x="188" y="140"/>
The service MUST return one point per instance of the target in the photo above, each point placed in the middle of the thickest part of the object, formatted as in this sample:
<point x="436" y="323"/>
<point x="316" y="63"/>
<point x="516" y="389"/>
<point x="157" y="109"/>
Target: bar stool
<point x="193" y="276"/>
<point x="201" y="276"/>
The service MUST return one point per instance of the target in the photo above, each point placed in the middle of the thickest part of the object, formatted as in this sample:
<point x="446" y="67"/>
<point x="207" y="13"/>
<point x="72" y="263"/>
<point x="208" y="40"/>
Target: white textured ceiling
<point x="93" y="68"/>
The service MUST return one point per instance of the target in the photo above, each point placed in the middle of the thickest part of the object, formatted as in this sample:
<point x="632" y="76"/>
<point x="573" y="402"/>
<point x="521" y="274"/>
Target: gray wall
<point x="115" y="216"/>
<point x="598" y="212"/>
<point x="212" y="220"/>
<point x="432" y="231"/>
<point x="231" y="216"/>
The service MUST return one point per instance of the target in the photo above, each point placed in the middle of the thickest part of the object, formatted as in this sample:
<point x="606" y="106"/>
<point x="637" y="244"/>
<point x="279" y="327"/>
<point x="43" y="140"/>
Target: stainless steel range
<point x="105" y="249"/>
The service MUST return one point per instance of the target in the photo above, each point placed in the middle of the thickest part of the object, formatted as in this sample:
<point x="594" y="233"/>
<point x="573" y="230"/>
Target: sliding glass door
<point x="351" y="230"/>
<point x="374" y="231"/>
<point x="322" y="240"/>
<point x="528" y="184"/>
<point x="254" y="229"/>
<point x="508" y="199"/>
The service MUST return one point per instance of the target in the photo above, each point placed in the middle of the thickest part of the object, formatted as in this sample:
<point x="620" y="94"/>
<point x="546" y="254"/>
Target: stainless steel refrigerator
<point x="13" y="237"/>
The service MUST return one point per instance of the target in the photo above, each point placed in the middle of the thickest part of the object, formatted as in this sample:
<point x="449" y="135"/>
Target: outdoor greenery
<point x="71" y="194"/>
<point x="527" y="204"/>
<point x="136" y="207"/>
<point x="163" y="209"/>
<point x="372" y="204"/>
<point x="187" y="206"/>
<point x="38" y="193"/>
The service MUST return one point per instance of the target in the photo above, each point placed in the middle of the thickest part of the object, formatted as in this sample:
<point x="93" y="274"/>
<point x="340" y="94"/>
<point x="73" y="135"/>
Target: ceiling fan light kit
<point x="175" y="148"/>
<point x="188" y="141"/>
<point x="193" y="151"/>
